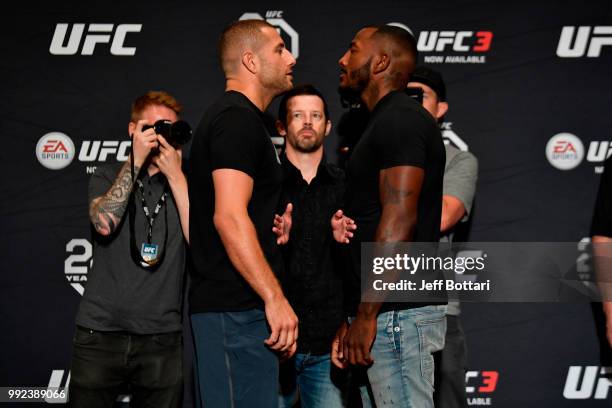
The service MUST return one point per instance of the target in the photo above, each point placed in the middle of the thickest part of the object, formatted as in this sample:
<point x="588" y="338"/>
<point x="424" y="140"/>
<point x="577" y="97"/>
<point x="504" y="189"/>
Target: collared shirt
<point x="313" y="274"/>
<point x="120" y="295"/>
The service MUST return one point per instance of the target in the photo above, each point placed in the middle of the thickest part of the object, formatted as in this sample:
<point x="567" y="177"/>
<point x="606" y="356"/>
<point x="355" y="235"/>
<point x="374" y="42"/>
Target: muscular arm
<point x="233" y="190"/>
<point x="399" y="194"/>
<point x="400" y="188"/>
<point x="106" y="211"/>
<point x="452" y="212"/>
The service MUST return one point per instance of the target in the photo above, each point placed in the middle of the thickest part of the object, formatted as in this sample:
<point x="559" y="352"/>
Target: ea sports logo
<point x="55" y="150"/>
<point x="564" y="151"/>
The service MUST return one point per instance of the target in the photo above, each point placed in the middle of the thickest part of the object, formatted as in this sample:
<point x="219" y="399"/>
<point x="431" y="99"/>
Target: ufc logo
<point x="574" y="43"/>
<point x="99" y="151"/>
<point x="599" y="151"/>
<point x="592" y="382"/>
<point x="275" y="18"/>
<point x="564" y="147"/>
<point x="487" y="383"/>
<point x="54" y="146"/>
<point x="96" y="34"/>
<point x="439" y="40"/>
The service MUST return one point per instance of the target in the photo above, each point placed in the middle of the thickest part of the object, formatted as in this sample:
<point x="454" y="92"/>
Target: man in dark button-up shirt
<point x="313" y="278"/>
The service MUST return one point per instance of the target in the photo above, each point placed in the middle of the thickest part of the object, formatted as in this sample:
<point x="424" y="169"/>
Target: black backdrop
<point x="514" y="82"/>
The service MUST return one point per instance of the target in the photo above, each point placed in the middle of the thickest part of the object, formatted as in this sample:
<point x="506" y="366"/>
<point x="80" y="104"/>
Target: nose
<point x="342" y="60"/>
<point x="291" y="59"/>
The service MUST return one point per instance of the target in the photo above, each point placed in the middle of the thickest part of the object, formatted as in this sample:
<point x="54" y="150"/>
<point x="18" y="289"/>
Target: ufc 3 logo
<point x="96" y="34"/>
<point x="486" y="380"/>
<point x="574" y="43"/>
<point x="439" y="40"/>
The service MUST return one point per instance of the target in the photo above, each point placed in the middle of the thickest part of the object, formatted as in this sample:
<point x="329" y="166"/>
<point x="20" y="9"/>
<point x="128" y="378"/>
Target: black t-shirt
<point x="602" y="218"/>
<point x="231" y="135"/>
<point x="400" y="132"/>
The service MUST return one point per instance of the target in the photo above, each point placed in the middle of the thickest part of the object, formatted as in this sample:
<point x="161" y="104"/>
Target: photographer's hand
<point x="142" y="143"/>
<point x="168" y="160"/>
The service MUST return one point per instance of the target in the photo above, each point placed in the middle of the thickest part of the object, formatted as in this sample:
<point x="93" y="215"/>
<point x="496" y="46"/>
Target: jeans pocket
<point x="431" y="339"/>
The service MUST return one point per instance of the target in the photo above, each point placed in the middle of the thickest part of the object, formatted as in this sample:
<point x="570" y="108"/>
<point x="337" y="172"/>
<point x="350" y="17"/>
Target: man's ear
<point x="380" y="64"/>
<point x="442" y="109"/>
<point x="328" y="127"/>
<point x="281" y="128"/>
<point x="249" y="61"/>
<point x="131" y="128"/>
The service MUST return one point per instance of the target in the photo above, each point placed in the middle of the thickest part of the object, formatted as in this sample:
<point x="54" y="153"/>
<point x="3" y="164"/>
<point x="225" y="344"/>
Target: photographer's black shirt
<point x="231" y="135"/>
<point x="119" y="294"/>
<point x="400" y="132"/>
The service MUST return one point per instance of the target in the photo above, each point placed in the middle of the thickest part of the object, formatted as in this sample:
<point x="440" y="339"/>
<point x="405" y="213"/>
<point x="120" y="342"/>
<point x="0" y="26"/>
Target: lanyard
<point x="134" y="249"/>
<point x="151" y="217"/>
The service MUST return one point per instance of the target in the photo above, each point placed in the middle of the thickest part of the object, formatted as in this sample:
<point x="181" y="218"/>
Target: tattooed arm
<point x="399" y="195"/>
<point x="106" y="211"/>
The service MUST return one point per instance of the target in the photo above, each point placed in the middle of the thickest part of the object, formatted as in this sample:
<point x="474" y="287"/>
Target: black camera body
<point x="177" y="133"/>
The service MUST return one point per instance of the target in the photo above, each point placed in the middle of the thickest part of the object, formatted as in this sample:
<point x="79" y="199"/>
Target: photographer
<point x="129" y="321"/>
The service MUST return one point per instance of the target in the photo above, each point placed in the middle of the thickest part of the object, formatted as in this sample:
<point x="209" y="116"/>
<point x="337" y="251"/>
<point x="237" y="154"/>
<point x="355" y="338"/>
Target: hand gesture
<point x="342" y="227"/>
<point x="282" y="225"/>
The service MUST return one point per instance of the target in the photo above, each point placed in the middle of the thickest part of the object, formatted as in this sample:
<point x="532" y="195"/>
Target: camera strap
<point x="160" y="203"/>
<point x="149" y="255"/>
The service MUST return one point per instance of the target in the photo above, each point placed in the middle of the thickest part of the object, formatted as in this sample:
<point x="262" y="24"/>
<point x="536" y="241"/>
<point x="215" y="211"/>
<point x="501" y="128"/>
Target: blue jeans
<point x="234" y="368"/>
<point x="403" y="371"/>
<point x="315" y="379"/>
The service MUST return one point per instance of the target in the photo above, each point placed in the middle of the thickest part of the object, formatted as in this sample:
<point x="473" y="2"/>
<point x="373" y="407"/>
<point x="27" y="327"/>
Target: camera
<point x="177" y="133"/>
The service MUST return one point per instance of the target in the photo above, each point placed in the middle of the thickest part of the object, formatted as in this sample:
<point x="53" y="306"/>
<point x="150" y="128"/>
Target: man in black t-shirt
<point x="234" y="185"/>
<point x="601" y="236"/>
<point x="394" y="194"/>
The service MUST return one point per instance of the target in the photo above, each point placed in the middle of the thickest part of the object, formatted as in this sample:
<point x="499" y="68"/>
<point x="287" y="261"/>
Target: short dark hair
<point x="401" y="46"/>
<point x="235" y="35"/>
<point x="400" y="37"/>
<point x="305" y="89"/>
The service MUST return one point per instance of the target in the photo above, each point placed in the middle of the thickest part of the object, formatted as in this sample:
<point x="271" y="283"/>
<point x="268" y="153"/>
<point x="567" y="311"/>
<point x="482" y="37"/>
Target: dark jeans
<point x="234" y="367"/>
<point x="451" y="365"/>
<point x="104" y="363"/>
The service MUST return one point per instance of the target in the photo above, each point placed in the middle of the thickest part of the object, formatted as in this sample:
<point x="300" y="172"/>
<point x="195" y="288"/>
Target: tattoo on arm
<point x="106" y="211"/>
<point x="394" y="195"/>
